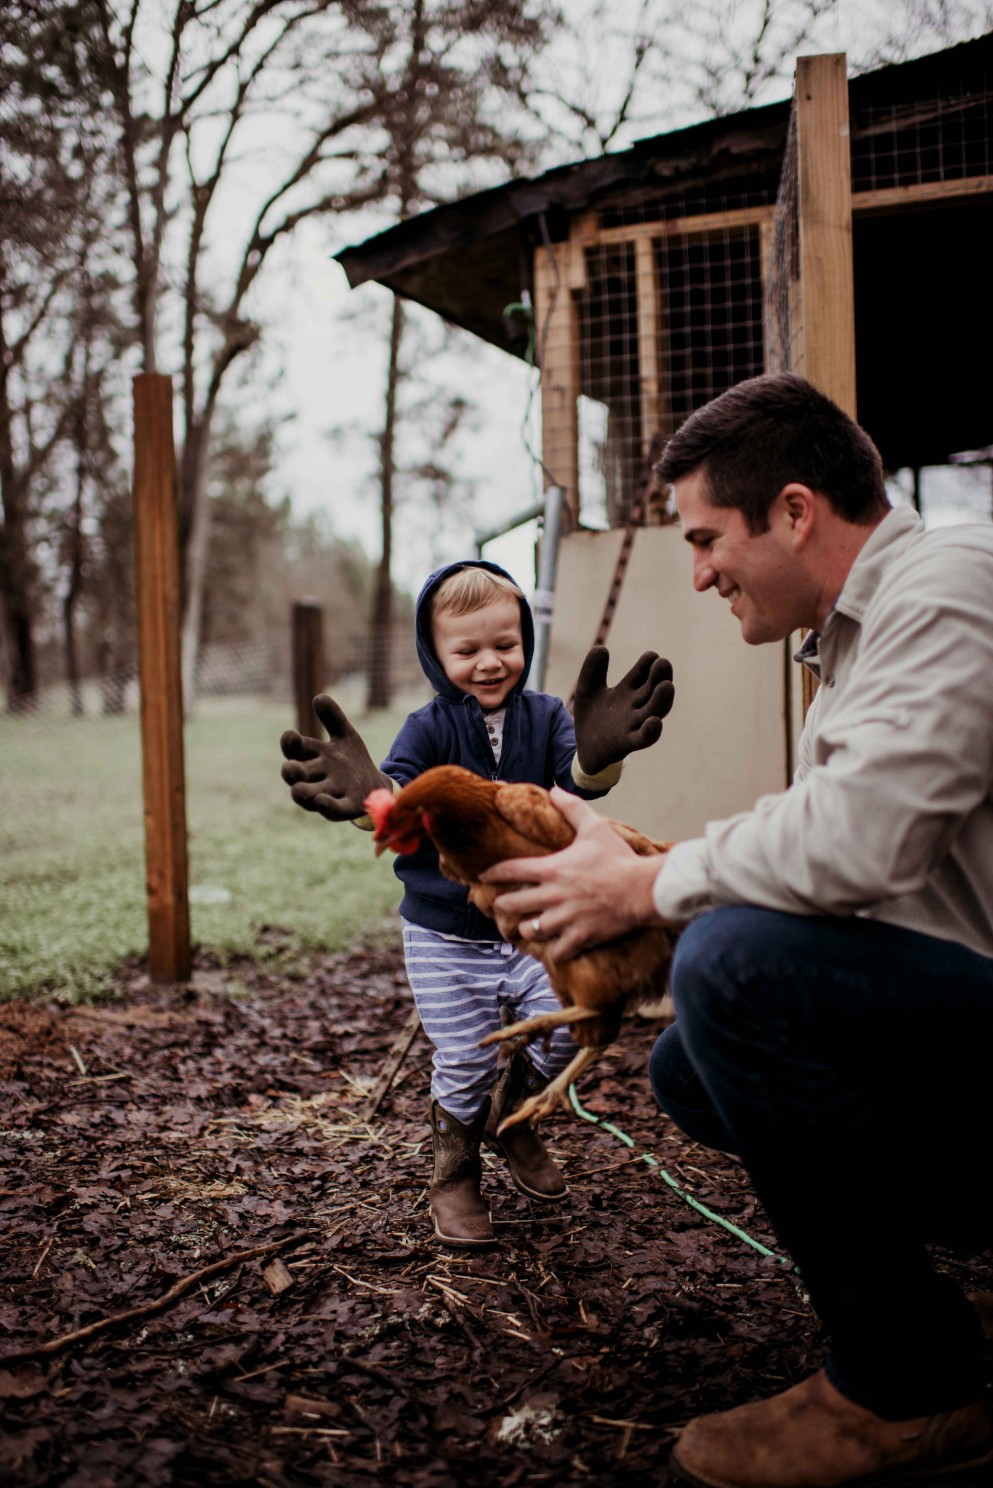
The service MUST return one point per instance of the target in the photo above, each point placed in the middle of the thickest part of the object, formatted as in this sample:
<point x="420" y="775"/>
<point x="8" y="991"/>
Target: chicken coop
<point x="843" y="233"/>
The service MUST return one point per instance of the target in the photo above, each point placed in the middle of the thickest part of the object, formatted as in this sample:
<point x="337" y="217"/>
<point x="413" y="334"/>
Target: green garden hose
<point x="653" y="1162"/>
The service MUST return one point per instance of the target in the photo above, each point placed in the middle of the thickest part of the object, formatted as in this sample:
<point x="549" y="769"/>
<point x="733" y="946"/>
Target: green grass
<point x="72" y="890"/>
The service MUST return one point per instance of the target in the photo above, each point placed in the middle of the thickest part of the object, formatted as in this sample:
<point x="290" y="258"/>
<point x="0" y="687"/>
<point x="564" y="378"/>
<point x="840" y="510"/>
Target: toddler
<point x="475" y="640"/>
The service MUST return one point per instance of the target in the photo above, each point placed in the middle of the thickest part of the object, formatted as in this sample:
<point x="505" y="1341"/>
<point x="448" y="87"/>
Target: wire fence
<point x="260" y="666"/>
<point x="72" y="844"/>
<point x="680" y="284"/>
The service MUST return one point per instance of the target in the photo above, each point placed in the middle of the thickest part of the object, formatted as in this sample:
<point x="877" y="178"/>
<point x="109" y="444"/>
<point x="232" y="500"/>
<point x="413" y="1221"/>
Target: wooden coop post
<point x="649" y="301"/>
<point x="825" y="353"/>
<point x="556" y="269"/>
<point x="157" y="560"/>
<point x="824" y="182"/>
<point x="308" y="660"/>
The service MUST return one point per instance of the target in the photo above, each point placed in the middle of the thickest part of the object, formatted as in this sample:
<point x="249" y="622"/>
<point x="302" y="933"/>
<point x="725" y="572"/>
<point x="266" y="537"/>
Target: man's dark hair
<point x="764" y="433"/>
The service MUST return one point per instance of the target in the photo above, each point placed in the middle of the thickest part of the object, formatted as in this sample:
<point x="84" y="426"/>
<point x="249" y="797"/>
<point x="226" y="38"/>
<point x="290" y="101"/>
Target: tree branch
<point x="55" y="1345"/>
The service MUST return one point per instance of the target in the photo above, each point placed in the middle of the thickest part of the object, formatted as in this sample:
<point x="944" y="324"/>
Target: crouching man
<point x="834" y="979"/>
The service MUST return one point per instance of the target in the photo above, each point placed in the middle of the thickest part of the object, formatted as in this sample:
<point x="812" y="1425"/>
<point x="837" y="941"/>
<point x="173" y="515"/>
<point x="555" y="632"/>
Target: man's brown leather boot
<point x="461" y="1218"/>
<point x="531" y="1166"/>
<point x="812" y="1436"/>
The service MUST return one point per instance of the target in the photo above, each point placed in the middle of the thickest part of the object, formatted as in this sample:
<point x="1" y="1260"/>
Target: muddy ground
<point x="204" y="1158"/>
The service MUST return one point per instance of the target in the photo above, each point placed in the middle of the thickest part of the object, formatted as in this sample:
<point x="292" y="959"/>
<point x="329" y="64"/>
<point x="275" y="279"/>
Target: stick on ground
<point x="394" y="1059"/>
<point x="102" y="1324"/>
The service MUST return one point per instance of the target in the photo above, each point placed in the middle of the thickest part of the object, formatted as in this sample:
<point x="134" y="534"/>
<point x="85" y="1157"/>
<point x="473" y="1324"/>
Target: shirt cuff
<point x="607" y="778"/>
<point x="366" y="823"/>
<point x="682" y="888"/>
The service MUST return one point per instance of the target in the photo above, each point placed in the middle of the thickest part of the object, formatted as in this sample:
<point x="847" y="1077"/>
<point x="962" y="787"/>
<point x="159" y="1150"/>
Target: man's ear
<point x="797" y="506"/>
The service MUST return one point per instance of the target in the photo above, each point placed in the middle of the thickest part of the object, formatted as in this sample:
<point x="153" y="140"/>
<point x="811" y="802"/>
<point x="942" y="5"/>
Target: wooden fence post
<point x="157" y="559"/>
<point x="308" y="661"/>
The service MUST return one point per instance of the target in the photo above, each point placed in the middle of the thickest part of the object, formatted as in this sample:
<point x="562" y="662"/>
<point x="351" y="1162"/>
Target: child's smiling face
<point x="482" y="653"/>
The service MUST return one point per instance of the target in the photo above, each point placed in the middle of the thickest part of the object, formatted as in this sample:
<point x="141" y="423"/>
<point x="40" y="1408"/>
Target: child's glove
<point x="612" y="722"/>
<point x="335" y="777"/>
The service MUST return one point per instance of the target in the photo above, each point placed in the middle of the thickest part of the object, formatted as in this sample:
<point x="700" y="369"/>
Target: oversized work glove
<point x="332" y="777"/>
<point x="612" y="722"/>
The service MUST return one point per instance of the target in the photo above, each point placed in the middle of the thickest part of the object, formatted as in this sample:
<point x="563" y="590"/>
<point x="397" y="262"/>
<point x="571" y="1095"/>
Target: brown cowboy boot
<point x="812" y="1436"/>
<point x="461" y="1218"/>
<point x="531" y="1167"/>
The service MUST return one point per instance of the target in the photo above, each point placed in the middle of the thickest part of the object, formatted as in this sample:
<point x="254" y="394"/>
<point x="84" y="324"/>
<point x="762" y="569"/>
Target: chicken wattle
<point x="405" y="837"/>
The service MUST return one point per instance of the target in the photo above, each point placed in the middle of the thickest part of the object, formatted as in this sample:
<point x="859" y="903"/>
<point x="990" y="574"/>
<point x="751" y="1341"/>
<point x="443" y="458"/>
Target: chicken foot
<point x="517" y="1035"/>
<point x="537" y="1107"/>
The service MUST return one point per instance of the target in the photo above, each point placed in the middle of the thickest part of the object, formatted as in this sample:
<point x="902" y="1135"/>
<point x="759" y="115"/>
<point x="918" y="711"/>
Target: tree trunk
<point x="113" y="679"/>
<point x="75" y="535"/>
<point x="380" y="693"/>
<point x="195" y="506"/>
<point x="69" y="633"/>
<point x="18" y="630"/>
<point x="16" y="619"/>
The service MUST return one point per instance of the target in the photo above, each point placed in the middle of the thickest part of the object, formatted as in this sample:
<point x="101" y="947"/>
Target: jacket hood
<point x="430" y="664"/>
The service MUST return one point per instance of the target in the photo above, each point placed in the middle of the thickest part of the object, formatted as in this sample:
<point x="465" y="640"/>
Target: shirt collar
<point x="809" y="654"/>
<point x="896" y="531"/>
<point x="899" y="528"/>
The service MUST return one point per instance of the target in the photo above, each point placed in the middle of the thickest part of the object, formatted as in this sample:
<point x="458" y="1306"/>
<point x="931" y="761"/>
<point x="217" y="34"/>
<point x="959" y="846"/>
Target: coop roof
<point x="469" y="260"/>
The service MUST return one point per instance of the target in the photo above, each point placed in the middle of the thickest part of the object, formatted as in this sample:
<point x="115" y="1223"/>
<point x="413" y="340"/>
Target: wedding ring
<point x="536" y="926"/>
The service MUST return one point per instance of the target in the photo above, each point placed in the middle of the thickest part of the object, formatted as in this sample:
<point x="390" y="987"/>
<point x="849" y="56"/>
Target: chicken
<point x="474" y="823"/>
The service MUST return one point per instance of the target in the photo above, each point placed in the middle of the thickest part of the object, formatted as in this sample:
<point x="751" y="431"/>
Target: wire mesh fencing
<point x="652" y="307"/>
<point x="783" y="307"/>
<point x="685" y="278"/>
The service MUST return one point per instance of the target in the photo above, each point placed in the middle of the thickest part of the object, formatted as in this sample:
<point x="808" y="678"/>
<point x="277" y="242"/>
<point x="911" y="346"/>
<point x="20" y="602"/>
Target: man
<point x="834" y="979"/>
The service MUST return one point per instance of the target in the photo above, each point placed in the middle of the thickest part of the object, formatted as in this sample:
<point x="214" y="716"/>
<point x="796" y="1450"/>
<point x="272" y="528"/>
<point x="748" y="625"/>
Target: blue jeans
<point x="846" y="1062"/>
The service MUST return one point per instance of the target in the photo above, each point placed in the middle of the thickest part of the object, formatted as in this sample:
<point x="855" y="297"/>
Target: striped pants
<point x="460" y="987"/>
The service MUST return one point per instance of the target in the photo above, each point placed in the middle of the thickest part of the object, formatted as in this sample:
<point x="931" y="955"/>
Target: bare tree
<point x="250" y="121"/>
<point x="48" y="170"/>
<point x="96" y="597"/>
<point x="624" y="69"/>
<point x="453" y="70"/>
<point x="895" y="32"/>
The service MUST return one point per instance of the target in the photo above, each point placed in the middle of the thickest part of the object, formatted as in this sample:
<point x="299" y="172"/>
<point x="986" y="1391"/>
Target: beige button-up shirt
<point x="890" y="814"/>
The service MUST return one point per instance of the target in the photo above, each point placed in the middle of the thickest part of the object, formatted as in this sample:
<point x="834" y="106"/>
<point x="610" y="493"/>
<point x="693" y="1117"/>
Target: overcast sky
<point x="335" y="366"/>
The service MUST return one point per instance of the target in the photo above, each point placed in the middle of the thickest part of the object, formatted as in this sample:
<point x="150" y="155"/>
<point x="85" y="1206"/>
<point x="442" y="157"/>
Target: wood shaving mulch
<point x="146" y="1142"/>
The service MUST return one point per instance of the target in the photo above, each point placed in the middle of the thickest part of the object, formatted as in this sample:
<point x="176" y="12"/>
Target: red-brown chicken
<point x="475" y="823"/>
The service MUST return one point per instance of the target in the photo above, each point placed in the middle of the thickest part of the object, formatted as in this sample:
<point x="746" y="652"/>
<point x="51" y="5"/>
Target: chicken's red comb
<point x="377" y="803"/>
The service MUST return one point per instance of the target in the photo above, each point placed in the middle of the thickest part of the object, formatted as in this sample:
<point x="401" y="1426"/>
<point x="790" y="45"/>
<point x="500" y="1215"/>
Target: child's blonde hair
<point x="470" y="589"/>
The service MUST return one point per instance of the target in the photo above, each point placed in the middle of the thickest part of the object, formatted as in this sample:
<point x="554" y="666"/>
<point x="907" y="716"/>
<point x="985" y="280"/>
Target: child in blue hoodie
<point x="475" y="640"/>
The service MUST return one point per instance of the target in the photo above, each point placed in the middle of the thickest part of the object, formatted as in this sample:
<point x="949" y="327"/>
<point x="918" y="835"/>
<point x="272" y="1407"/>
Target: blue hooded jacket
<point x="539" y="743"/>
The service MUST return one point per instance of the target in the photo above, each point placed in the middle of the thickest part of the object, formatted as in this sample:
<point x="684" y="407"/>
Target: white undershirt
<point x="494" y="731"/>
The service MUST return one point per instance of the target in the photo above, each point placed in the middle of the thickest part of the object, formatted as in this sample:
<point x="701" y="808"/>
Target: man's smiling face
<point x="757" y="573"/>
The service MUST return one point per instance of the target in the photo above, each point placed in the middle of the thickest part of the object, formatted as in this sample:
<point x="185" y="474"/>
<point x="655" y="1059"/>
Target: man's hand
<point x="335" y="777"/>
<point x="612" y="722"/>
<point x="592" y="891"/>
